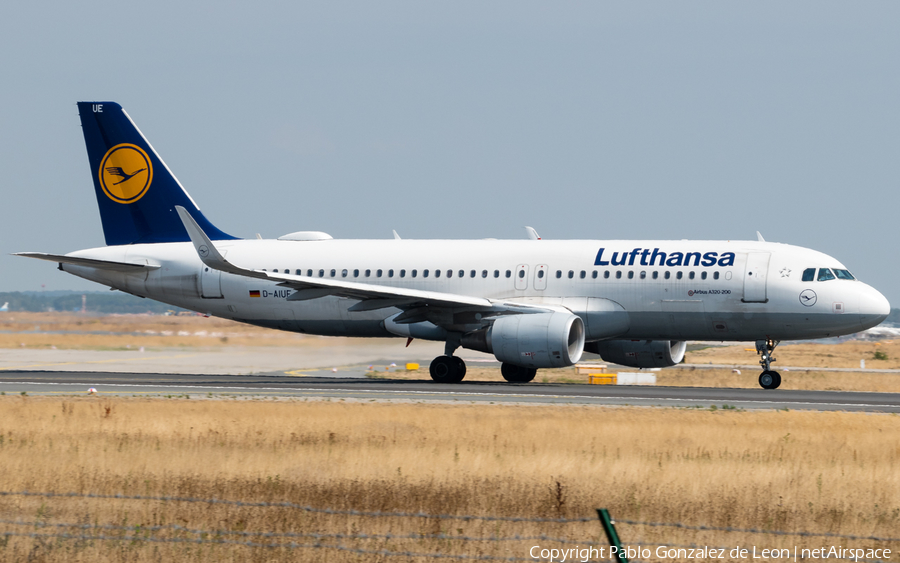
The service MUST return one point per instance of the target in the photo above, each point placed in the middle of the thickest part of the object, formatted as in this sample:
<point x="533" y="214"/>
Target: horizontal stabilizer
<point x="89" y="262"/>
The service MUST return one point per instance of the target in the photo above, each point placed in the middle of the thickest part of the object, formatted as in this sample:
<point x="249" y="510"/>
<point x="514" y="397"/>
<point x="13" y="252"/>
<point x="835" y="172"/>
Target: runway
<point x="256" y="386"/>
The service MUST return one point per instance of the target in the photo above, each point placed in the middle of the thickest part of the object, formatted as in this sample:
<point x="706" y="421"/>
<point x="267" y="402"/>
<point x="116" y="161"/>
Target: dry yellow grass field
<point x="843" y="355"/>
<point x="115" y="332"/>
<point x="792" y="471"/>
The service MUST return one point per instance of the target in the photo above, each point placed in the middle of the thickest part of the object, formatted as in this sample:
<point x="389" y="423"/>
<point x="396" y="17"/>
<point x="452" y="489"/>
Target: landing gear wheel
<point x="447" y="369"/>
<point x="461" y="366"/>
<point x="770" y="379"/>
<point x="517" y="374"/>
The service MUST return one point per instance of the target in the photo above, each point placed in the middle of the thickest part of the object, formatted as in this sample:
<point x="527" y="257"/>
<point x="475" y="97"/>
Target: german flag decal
<point x="254" y="293"/>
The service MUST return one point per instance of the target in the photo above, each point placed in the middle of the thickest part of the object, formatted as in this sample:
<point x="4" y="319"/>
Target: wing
<point x="115" y="170"/>
<point x="442" y="309"/>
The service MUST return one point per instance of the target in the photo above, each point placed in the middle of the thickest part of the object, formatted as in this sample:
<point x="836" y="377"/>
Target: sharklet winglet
<point x="207" y="251"/>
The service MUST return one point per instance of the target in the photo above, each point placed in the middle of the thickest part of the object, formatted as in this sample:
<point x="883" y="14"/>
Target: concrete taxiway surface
<point x="326" y="355"/>
<point x="106" y="383"/>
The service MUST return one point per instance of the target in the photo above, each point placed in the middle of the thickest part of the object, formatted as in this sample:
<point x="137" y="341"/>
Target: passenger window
<point x="655" y="275"/>
<point x="402" y="273"/>
<point x="321" y="273"/>
<point x="462" y="273"/>
<point x="449" y="273"/>
<point x="355" y="273"/>
<point x="809" y="275"/>
<point x="843" y="274"/>
<point x="643" y="275"/>
<point x="631" y="275"/>
<point x="298" y="271"/>
<point x="333" y="273"/>
<point x="472" y="274"/>
<point x="691" y="275"/>
<point x="414" y="273"/>
<point x="679" y="275"/>
<point x="583" y="273"/>
<point x="309" y="273"/>
<point x="703" y="275"/>
<point x="437" y="273"/>
<point x="558" y="274"/>
<point x="496" y="273"/>
<point x="484" y="273"/>
<point x="425" y="273"/>
<point x="606" y="274"/>
<point x="522" y="274"/>
<point x="594" y="274"/>
<point x="618" y="275"/>
<point x="344" y="273"/>
<point x="540" y="274"/>
<point x="391" y="273"/>
<point x="715" y="275"/>
<point x="368" y="273"/>
<point x="667" y="275"/>
<point x="274" y="270"/>
<point x="377" y="273"/>
<point x="825" y="274"/>
<point x="571" y="274"/>
<point x="508" y="274"/>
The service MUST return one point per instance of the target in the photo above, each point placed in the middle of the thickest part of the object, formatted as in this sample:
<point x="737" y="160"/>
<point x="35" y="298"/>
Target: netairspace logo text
<point x="664" y="553"/>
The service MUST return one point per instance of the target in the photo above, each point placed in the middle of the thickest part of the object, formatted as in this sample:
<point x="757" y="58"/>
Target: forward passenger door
<point x="755" y="273"/>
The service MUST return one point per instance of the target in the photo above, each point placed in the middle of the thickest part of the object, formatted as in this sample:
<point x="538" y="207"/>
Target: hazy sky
<point x="669" y="120"/>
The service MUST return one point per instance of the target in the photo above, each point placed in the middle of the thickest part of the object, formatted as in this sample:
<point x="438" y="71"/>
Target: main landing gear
<point x="768" y="379"/>
<point x="517" y="374"/>
<point x="448" y="368"/>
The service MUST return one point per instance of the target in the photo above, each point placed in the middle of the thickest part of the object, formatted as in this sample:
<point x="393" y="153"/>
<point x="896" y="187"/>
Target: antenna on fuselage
<point x="532" y="234"/>
<point x="759" y="237"/>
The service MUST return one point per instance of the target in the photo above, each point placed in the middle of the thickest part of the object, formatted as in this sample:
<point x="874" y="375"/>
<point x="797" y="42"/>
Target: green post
<point x="611" y="534"/>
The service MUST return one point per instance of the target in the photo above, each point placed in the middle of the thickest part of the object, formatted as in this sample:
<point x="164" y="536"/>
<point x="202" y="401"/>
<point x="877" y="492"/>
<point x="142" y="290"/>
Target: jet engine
<point x="538" y="340"/>
<point x="639" y="353"/>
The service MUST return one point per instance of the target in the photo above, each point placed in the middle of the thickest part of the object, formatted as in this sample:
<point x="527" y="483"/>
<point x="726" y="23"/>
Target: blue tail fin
<point x="136" y="191"/>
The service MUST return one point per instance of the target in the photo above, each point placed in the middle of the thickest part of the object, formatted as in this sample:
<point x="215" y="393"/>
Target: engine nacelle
<point x="539" y="340"/>
<point x="639" y="353"/>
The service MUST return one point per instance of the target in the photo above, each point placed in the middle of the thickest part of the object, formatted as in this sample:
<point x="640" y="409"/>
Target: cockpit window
<point x="825" y="274"/>
<point x="809" y="274"/>
<point x="843" y="274"/>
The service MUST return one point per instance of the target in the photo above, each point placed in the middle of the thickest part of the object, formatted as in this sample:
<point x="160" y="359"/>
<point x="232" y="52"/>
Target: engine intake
<point x="540" y="340"/>
<point x="639" y="353"/>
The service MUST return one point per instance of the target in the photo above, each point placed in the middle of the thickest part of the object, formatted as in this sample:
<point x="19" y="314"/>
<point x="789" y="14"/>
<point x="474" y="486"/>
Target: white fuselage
<point x="700" y="290"/>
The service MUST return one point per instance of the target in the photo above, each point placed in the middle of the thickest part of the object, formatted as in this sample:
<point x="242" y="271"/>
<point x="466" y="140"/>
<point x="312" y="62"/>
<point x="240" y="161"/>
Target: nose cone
<point x="873" y="307"/>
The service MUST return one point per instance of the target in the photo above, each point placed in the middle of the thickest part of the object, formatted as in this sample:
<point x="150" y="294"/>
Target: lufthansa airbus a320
<point x="531" y="303"/>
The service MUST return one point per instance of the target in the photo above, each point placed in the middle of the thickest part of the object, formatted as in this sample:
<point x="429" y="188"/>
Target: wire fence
<point x="354" y="543"/>
<point x="375" y="514"/>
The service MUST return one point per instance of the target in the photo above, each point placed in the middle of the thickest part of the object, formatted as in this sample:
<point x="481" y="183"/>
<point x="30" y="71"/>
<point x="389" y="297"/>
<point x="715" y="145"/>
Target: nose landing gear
<point x="768" y="379"/>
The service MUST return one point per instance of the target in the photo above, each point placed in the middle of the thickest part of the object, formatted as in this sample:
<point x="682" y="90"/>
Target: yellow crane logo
<point x="125" y="173"/>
